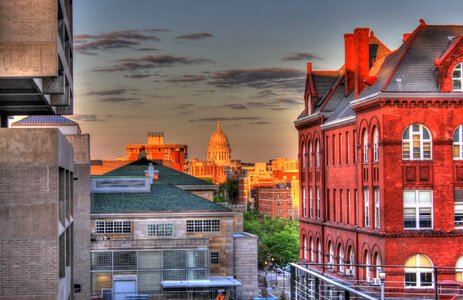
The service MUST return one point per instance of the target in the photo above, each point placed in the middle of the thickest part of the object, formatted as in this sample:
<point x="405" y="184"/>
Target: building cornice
<point x="406" y="95"/>
<point x="338" y="122"/>
<point x="164" y="214"/>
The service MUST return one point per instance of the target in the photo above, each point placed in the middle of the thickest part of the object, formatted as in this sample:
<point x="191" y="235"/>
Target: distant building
<point x="275" y="201"/>
<point x="218" y="167"/>
<point x="150" y="237"/>
<point x="380" y="153"/>
<point x="171" y="155"/>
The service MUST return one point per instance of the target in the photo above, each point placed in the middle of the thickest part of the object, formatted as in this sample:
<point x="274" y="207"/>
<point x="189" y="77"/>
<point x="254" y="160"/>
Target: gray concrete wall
<point x="245" y="256"/>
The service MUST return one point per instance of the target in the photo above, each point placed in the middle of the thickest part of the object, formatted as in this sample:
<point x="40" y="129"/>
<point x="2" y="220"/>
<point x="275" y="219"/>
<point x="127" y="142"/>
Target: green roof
<point x="163" y="198"/>
<point x="166" y="175"/>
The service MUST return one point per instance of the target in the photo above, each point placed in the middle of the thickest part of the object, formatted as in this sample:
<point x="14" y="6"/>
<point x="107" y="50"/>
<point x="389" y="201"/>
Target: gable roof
<point x="166" y="175"/>
<point x="162" y="198"/>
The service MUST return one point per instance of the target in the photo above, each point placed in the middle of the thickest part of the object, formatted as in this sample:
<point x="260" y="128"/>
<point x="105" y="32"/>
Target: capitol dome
<point x="219" y="148"/>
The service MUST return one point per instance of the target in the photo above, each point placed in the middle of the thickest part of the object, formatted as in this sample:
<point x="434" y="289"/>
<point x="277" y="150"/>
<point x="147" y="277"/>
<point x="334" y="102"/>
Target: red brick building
<point x="381" y="161"/>
<point x="275" y="201"/>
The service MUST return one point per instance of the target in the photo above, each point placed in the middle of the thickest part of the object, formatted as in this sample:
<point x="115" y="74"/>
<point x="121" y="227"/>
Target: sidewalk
<point x="276" y="284"/>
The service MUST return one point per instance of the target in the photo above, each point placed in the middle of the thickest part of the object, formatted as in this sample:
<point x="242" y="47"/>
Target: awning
<point x="215" y="281"/>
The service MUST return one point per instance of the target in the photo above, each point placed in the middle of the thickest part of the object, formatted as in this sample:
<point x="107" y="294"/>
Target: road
<point x="276" y="284"/>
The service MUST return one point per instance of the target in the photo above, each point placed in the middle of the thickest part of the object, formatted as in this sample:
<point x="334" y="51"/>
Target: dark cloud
<point x="263" y="78"/>
<point x="107" y="92"/>
<point x="146" y="49"/>
<point x="300" y="56"/>
<point x="289" y="101"/>
<point x="120" y="100"/>
<point x="108" y="41"/>
<point x="235" y="106"/>
<point x="156" y="30"/>
<point x="86" y="118"/>
<point x="260" y="123"/>
<point x="105" y="44"/>
<point x="137" y="76"/>
<point x="265" y="94"/>
<point x="187" y="78"/>
<point x="224" y="119"/>
<point x="184" y="106"/>
<point x="148" y="62"/>
<point x="195" y="36"/>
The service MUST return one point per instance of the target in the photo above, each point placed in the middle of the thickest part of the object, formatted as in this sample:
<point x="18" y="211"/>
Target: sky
<point x="179" y="66"/>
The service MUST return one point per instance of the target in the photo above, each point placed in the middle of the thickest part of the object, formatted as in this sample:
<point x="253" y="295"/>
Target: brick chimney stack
<point x="350" y="62"/>
<point x="362" y="50"/>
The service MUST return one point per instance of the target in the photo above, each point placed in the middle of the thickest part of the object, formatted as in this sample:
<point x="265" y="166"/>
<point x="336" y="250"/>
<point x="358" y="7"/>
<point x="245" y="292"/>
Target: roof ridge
<point x="410" y="42"/>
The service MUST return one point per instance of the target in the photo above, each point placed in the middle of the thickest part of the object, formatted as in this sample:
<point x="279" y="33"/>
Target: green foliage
<point x="279" y="238"/>
<point x="218" y="199"/>
<point x="229" y="190"/>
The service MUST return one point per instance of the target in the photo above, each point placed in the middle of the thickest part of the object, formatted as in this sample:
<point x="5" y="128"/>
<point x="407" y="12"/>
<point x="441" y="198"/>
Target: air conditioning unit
<point x="376" y="281"/>
<point x="350" y="272"/>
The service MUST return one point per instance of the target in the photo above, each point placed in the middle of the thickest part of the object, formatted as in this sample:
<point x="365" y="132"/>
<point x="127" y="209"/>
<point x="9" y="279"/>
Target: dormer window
<point x="457" y="78"/>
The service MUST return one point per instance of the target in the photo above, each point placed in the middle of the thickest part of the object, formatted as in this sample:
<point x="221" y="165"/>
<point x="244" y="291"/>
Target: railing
<point x="309" y="282"/>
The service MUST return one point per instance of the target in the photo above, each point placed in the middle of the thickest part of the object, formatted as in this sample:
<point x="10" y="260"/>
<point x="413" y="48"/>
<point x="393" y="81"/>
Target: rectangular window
<point x="377" y="210"/>
<point x="202" y="226"/>
<point x="340" y="149"/>
<point x="341" y="207"/>
<point x="327" y="156"/>
<point x="160" y="230"/>
<point x="327" y="214"/>
<point x="335" y="217"/>
<point x="356" y="205"/>
<point x="348" y="214"/>
<point x="318" y="203"/>
<point x="347" y="148"/>
<point x="458" y="204"/>
<point x="366" y="198"/>
<point x="418" y="209"/>
<point x="333" y="145"/>
<point x="113" y="227"/>
<point x="214" y="258"/>
<point x="304" y="199"/>
<point x="311" y="203"/>
<point x="354" y="146"/>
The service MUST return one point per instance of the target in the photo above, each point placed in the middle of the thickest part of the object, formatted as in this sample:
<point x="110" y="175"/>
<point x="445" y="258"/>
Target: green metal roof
<point x="163" y="198"/>
<point x="166" y="175"/>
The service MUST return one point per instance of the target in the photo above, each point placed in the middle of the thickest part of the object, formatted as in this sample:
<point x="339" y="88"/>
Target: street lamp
<point x="382" y="277"/>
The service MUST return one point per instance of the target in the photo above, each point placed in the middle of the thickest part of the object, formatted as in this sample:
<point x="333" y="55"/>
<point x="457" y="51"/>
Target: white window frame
<point x="377" y="209"/>
<point x="366" y="200"/>
<point x="304" y="153"/>
<point x="317" y="145"/>
<point x="304" y="199"/>
<point x="109" y="227"/>
<point x="331" y="258"/>
<point x="456" y="78"/>
<point x="375" y="145"/>
<point x="312" y="250"/>
<point x="318" y="203"/>
<point x="367" y="268"/>
<point x="365" y="146"/>
<point x="417" y="205"/>
<point x="457" y="211"/>
<point x="459" y="269"/>
<point x="341" y="259"/>
<point x="409" y="149"/>
<point x="458" y="143"/>
<point x="418" y="272"/>
<point x="319" y="252"/>
<point x="304" y="240"/>
<point x="159" y="230"/>
<point x="351" y="259"/>
<point x="193" y="226"/>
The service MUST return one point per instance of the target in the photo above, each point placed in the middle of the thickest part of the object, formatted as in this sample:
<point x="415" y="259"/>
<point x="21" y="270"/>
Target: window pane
<point x="406" y="134"/>
<point x="426" y="279"/>
<point x="425" y="197"/>
<point x="125" y="260"/>
<point x="425" y="134"/>
<point x="456" y="85"/>
<point x="410" y="279"/>
<point x="457" y="72"/>
<point x="456" y="134"/>
<point x="459" y="214"/>
<point x="456" y="151"/>
<point x="415" y="128"/>
<point x="409" y="217"/>
<point x="425" y="218"/>
<point x="409" y="196"/>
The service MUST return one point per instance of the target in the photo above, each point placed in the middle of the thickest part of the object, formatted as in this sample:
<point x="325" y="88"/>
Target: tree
<point x="229" y="190"/>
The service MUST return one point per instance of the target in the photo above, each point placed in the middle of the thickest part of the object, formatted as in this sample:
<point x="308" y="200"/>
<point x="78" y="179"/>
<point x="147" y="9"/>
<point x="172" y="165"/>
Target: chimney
<point x="349" y="44"/>
<point x="308" y="106"/>
<point x="362" y="53"/>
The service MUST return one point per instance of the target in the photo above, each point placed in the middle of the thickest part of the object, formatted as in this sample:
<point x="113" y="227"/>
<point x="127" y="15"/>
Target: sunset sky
<point x="179" y="66"/>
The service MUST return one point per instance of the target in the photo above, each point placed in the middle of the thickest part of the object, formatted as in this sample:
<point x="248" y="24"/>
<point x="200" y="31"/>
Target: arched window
<point x="310" y="154"/>
<point x="375" y="145"/>
<point x="341" y="258"/>
<point x="304" y="154"/>
<point x="365" y="146"/>
<point x="304" y="200"/>
<point x="459" y="269"/>
<point x="331" y="253"/>
<point x="457" y="78"/>
<point x="366" y="259"/>
<point x="319" y="251"/>
<point x="416" y="143"/>
<point x="312" y="251"/>
<point x="304" y="248"/>
<point x="458" y="143"/>
<point x="351" y="255"/>
<point x="317" y="149"/>
<point x="418" y="277"/>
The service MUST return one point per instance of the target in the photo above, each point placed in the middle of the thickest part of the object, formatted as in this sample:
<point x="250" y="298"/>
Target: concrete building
<point x="150" y="237"/>
<point x="171" y="155"/>
<point x="380" y="160"/>
<point x="37" y="169"/>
